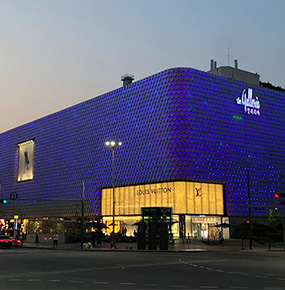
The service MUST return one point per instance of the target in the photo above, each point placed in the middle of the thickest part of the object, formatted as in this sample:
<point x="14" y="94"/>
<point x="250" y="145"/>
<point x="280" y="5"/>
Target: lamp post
<point x="283" y="210"/>
<point x="249" y="211"/>
<point x="113" y="145"/>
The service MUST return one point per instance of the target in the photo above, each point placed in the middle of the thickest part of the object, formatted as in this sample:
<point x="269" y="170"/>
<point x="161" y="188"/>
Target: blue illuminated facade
<point x="179" y="124"/>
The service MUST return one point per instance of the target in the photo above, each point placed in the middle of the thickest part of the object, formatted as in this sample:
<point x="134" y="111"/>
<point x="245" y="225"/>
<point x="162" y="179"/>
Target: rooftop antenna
<point x="228" y="57"/>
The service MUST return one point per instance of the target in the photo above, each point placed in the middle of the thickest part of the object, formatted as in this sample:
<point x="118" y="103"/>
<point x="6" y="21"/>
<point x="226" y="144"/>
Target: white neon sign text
<point x="251" y="105"/>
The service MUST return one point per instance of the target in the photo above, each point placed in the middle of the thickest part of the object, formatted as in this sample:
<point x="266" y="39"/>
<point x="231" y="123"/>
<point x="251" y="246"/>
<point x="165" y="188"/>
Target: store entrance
<point x="195" y="227"/>
<point x="204" y="231"/>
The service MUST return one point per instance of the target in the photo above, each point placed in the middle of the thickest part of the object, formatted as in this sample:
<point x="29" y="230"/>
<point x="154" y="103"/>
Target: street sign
<point x="14" y="195"/>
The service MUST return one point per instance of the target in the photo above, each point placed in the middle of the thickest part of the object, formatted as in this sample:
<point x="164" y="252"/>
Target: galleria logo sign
<point x="251" y="105"/>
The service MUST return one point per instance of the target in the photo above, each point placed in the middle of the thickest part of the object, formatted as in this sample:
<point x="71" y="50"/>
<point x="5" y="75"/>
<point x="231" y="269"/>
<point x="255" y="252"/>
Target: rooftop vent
<point x="213" y="64"/>
<point x="127" y="79"/>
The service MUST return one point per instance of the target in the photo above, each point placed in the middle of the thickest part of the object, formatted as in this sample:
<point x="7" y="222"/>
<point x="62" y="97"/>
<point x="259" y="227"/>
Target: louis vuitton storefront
<point x="196" y="207"/>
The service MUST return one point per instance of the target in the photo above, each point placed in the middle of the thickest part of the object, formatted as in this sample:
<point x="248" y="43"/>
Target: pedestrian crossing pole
<point x="283" y="211"/>
<point x="82" y="215"/>
<point x="249" y="212"/>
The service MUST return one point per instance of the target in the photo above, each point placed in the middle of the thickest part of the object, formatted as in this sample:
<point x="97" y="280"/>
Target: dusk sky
<point x="57" y="53"/>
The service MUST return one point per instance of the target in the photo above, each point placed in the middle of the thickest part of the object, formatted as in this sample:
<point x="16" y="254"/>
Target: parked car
<point x="8" y="242"/>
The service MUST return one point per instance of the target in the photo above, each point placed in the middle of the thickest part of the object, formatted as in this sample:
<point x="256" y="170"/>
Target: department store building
<point x="208" y="146"/>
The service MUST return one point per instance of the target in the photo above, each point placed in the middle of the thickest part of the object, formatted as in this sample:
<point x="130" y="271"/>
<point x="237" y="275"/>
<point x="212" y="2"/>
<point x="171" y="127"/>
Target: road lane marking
<point x="213" y="261"/>
<point x="151" y="285"/>
<point x="34" y="280"/>
<point x="54" y="281"/>
<point x="15" y="280"/>
<point x="239" y="273"/>
<point x="101" y="283"/>
<point x="263" y="277"/>
<point x="208" y="287"/>
<point x="178" y="286"/>
<point x="68" y="271"/>
<point x="273" y="288"/>
<point x="74" y="281"/>
<point x="126" y="283"/>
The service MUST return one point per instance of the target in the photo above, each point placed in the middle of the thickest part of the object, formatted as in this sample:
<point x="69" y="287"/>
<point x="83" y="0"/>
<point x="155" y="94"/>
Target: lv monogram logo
<point x="198" y="191"/>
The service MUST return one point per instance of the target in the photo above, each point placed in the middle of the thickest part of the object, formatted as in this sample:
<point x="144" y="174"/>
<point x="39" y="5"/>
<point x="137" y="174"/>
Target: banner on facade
<point x="26" y="160"/>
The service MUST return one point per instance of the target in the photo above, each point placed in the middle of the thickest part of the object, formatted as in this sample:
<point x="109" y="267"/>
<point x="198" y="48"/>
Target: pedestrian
<point x="221" y="238"/>
<point x="37" y="239"/>
<point x="135" y="235"/>
<point x="99" y="237"/>
<point x="93" y="239"/>
<point x="55" y="240"/>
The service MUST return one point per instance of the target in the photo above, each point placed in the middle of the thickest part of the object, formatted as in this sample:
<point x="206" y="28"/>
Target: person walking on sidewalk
<point x="93" y="239"/>
<point x="99" y="237"/>
<point x="37" y="239"/>
<point x="221" y="237"/>
<point x="55" y="240"/>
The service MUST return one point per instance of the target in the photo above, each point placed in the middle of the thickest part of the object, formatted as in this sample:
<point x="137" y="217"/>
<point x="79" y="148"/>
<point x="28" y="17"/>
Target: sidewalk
<point x="178" y="246"/>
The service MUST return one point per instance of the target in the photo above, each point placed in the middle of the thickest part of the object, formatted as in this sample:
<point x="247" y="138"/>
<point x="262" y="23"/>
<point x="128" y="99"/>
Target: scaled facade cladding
<point x="180" y="124"/>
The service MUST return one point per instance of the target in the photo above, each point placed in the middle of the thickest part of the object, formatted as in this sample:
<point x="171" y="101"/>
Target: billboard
<point x="26" y="160"/>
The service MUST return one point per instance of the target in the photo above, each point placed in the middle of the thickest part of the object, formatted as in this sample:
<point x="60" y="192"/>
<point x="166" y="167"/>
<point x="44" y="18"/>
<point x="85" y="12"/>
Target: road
<point x="27" y="268"/>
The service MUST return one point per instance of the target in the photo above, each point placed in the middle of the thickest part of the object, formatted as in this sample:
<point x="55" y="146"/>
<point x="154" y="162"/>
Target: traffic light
<point x="281" y="197"/>
<point x="4" y="201"/>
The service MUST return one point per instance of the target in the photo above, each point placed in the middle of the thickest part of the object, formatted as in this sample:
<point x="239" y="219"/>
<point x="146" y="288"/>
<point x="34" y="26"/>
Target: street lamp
<point x="283" y="210"/>
<point x="113" y="145"/>
<point x="249" y="211"/>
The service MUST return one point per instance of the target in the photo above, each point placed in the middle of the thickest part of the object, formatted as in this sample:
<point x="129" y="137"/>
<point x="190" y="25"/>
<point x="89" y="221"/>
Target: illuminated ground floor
<point x="197" y="208"/>
<point x="183" y="227"/>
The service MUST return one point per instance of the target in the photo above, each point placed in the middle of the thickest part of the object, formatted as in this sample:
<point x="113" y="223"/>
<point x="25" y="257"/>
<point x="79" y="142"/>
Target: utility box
<point x="141" y="241"/>
<point x="152" y="235"/>
<point x="163" y="236"/>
